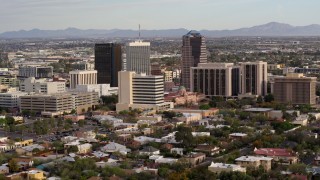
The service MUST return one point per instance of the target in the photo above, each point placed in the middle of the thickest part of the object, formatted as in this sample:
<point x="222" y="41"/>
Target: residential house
<point x="301" y="120"/>
<point x="23" y="162"/>
<point x="283" y="156"/>
<point x="115" y="147"/>
<point x="222" y="167"/>
<point x="255" y="162"/>
<point x="208" y="149"/>
<point x="4" y="169"/>
<point x="178" y="151"/>
<point x="316" y="161"/>
<point x="200" y="134"/>
<point x="237" y="136"/>
<point x="195" y="159"/>
<point x="149" y="150"/>
<point x="162" y="160"/>
<point x="29" y="150"/>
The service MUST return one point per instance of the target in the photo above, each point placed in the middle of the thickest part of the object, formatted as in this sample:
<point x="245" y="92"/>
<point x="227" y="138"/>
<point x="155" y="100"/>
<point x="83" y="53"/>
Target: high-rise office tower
<point x="141" y="91"/>
<point x="295" y="89"/>
<point x="254" y="78"/>
<point x="108" y="63"/>
<point x="193" y="52"/>
<point x="138" y="57"/>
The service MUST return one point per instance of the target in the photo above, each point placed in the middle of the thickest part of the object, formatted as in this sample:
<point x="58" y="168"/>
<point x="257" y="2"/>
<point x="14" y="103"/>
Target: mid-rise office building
<point x="10" y="81"/>
<point x="108" y="62"/>
<point x="156" y="69"/>
<point x="193" y="52"/>
<point x="11" y="99"/>
<point x="254" y="78"/>
<point x="295" y="89"/>
<point x="42" y="86"/>
<point x="102" y="89"/>
<point x="214" y="79"/>
<point x="141" y="91"/>
<point x="168" y="76"/>
<point x="36" y="71"/>
<point x="79" y="77"/>
<point x="57" y="104"/>
<point x="82" y="66"/>
<point x="138" y="57"/>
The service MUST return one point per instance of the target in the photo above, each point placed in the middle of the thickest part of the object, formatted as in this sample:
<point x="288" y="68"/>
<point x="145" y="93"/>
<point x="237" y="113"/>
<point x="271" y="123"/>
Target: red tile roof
<point x="274" y="152"/>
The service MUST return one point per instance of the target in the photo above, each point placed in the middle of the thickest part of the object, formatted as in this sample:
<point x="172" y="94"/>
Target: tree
<point x="259" y="100"/>
<point x="81" y="123"/>
<point x="35" y="150"/>
<point x="73" y="149"/>
<point x="169" y="114"/>
<point x="26" y="112"/>
<point x="73" y="111"/>
<point x="215" y="100"/>
<point x="184" y="135"/>
<point x="269" y="98"/>
<point x="204" y="107"/>
<point x="13" y="166"/>
<point x="298" y="168"/>
<point x="234" y="176"/>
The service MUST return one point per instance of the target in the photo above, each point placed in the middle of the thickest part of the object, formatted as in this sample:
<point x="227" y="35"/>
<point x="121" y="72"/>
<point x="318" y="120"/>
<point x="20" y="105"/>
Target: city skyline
<point x="204" y="14"/>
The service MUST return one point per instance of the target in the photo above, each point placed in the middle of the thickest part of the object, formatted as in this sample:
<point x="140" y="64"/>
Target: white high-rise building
<point x="138" y="57"/>
<point x="80" y="77"/>
<point x="254" y="78"/>
<point x="141" y="91"/>
<point x="42" y="86"/>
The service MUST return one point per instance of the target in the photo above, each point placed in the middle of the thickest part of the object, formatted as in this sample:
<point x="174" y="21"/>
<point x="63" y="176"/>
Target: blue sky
<point x="154" y="14"/>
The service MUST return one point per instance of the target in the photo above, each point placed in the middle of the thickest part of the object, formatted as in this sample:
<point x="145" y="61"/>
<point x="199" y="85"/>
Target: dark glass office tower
<point x="108" y="62"/>
<point x="193" y="52"/>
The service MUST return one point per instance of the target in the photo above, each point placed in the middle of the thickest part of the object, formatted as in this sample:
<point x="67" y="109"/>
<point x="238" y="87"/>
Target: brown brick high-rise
<point x="193" y="52"/>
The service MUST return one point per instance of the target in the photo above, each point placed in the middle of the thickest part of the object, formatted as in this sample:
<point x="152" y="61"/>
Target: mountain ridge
<point x="268" y="29"/>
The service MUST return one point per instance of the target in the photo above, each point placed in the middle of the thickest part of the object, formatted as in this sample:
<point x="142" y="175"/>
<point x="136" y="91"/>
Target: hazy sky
<point x="154" y="14"/>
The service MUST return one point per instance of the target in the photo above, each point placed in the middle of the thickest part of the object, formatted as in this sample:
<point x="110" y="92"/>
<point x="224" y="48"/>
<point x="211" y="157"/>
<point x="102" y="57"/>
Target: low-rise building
<point x="222" y="167"/>
<point x="208" y="149"/>
<point x="301" y="120"/>
<point x="29" y="150"/>
<point x="57" y="104"/>
<point x="115" y="147"/>
<point x="195" y="159"/>
<point x="188" y="118"/>
<point x="102" y="89"/>
<point x="237" y="135"/>
<point x="283" y="156"/>
<point x="177" y="151"/>
<point x="255" y="162"/>
<point x="149" y="150"/>
<point x="42" y="86"/>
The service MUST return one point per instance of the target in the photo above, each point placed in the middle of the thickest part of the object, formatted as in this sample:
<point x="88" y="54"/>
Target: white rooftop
<point x="253" y="158"/>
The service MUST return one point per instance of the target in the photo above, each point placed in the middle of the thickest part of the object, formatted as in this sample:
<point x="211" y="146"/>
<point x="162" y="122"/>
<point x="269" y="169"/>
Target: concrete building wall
<point x="295" y="89"/>
<point x="254" y="78"/>
<point x="10" y="100"/>
<point x="212" y="79"/>
<point x="42" y="86"/>
<point x="138" y="57"/>
<point x="82" y="77"/>
<point x="101" y="89"/>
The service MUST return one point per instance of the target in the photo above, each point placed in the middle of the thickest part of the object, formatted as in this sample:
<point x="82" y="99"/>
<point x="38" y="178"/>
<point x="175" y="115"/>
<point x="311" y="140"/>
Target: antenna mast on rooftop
<point x="139" y="33"/>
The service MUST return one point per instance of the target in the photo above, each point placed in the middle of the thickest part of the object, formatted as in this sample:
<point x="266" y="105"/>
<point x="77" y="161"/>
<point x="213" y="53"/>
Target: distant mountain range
<point x="269" y="29"/>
